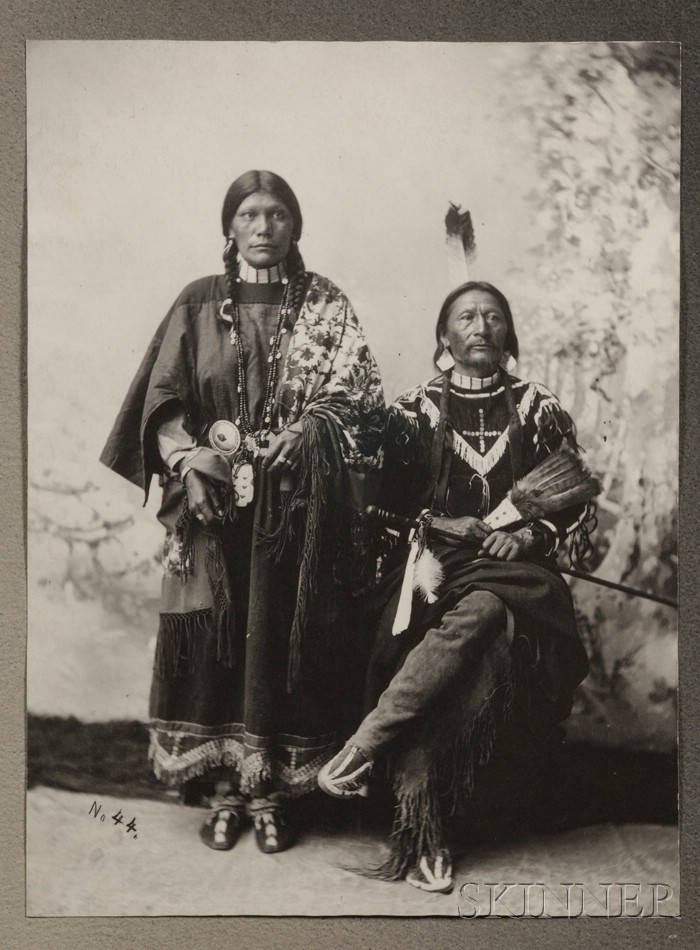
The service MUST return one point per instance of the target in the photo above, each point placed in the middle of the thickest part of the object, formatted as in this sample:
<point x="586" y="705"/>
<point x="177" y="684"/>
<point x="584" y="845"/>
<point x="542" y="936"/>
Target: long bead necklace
<point x="243" y="443"/>
<point x="243" y="421"/>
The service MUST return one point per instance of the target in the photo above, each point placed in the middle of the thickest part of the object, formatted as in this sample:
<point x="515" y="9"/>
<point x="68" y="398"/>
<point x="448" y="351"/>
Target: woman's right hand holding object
<point x="203" y="498"/>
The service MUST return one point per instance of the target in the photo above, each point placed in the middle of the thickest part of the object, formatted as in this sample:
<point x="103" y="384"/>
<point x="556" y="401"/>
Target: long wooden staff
<point x="389" y="518"/>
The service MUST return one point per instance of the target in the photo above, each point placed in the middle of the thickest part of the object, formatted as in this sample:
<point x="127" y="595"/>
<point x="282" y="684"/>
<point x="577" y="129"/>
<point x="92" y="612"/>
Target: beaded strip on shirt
<point x="482" y="432"/>
<point x="482" y="464"/>
<point x="230" y="309"/>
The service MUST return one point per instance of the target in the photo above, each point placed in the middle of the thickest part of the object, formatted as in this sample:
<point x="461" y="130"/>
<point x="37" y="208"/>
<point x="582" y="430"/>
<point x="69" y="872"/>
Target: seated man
<point x="494" y="635"/>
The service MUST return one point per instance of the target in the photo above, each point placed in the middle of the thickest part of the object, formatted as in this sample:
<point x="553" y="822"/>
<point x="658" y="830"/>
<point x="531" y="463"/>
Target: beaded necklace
<point x="239" y="440"/>
<point x="243" y="419"/>
<point x="242" y="429"/>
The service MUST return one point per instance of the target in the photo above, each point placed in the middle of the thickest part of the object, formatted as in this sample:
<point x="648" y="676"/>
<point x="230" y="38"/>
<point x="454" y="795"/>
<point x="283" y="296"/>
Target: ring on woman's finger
<point x="282" y="459"/>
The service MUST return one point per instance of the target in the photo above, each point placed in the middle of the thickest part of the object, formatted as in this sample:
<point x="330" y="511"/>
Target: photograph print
<point x="353" y="388"/>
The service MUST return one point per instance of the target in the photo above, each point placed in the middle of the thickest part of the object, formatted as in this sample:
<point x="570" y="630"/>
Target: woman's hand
<point x="284" y="454"/>
<point x="507" y="546"/>
<point x="203" y="498"/>
<point x="466" y="528"/>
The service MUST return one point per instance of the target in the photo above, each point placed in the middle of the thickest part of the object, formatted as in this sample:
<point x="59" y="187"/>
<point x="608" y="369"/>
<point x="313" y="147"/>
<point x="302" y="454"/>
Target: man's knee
<point x="483" y="610"/>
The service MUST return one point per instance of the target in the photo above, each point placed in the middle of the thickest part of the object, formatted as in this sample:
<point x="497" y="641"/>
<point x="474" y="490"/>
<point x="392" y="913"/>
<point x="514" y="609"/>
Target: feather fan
<point x="559" y="481"/>
<point x="461" y="246"/>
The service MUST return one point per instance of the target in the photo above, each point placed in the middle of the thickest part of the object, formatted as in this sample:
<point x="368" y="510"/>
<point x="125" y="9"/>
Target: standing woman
<point x="260" y="408"/>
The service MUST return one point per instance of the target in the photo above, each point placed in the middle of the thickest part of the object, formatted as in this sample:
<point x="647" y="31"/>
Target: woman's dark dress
<point x="257" y="614"/>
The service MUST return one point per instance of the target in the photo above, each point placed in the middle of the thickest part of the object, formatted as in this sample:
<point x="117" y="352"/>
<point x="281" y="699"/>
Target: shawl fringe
<point x="315" y="470"/>
<point x="223" y="614"/>
<point x="179" y="637"/>
<point x="287" y="530"/>
<point x="185" y="534"/>
<point x="301" y="517"/>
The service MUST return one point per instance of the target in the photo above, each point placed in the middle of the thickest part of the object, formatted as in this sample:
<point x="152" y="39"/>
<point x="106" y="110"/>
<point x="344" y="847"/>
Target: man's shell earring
<point x="445" y="360"/>
<point x="508" y="362"/>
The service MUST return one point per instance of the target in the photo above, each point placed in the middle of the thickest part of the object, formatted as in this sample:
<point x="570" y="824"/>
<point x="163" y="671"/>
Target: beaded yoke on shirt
<point x="481" y="467"/>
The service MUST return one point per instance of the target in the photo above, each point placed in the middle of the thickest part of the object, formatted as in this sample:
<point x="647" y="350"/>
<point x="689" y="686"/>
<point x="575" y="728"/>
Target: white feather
<point x="428" y="575"/>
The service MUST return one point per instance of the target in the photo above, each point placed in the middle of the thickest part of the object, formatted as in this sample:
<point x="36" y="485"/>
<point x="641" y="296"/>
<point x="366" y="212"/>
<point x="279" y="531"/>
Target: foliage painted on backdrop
<point x="93" y="549"/>
<point x="596" y="298"/>
<point x="598" y="290"/>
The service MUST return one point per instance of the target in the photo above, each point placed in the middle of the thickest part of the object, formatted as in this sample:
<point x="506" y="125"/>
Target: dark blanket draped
<point x="533" y="590"/>
<point x="258" y="613"/>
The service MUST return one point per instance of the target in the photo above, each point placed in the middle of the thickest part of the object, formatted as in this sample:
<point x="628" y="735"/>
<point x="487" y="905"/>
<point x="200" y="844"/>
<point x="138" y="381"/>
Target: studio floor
<point x="81" y="862"/>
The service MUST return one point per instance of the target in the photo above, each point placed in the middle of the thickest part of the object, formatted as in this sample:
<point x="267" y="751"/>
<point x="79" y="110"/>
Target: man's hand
<point x="466" y="528"/>
<point x="203" y="498"/>
<point x="509" y="546"/>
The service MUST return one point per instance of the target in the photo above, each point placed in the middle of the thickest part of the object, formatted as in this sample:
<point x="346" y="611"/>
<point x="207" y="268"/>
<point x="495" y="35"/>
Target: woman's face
<point x="262" y="227"/>
<point x="476" y="331"/>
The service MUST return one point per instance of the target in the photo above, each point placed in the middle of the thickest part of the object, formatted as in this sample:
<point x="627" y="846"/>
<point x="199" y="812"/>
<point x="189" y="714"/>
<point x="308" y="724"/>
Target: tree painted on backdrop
<point x="597" y="289"/>
<point x="596" y="296"/>
<point x="90" y="546"/>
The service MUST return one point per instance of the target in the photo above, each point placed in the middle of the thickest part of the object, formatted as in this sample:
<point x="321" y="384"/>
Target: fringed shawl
<point x="329" y="383"/>
<point x="328" y="369"/>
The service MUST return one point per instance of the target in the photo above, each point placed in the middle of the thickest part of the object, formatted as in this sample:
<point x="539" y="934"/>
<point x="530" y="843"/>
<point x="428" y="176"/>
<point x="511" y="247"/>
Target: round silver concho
<point x="225" y="437"/>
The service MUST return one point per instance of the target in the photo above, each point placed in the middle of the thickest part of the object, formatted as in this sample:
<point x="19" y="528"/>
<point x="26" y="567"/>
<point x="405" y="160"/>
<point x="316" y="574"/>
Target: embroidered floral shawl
<point x="329" y="382"/>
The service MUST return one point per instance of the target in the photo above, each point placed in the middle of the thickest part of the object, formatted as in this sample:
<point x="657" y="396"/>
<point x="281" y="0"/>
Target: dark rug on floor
<point x="569" y="785"/>
<point x="109" y="758"/>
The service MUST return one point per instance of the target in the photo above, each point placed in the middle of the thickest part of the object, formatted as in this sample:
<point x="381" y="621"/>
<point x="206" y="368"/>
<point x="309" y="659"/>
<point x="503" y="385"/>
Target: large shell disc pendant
<point x="224" y="437"/>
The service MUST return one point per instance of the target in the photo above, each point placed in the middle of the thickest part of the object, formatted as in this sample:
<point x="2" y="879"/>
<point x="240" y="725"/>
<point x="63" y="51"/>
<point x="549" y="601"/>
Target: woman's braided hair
<point x="243" y="187"/>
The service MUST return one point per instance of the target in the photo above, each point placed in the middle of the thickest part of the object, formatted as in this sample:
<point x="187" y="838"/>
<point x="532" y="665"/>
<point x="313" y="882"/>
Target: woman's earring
<point x="229" y="245"/>
<point x="508" y="362"/>
<point x="445" y="360"/>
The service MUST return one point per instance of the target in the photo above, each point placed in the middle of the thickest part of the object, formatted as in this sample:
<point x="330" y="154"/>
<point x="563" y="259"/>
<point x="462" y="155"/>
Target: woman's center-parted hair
<point x="243" y="187"/>
<point x="511" y="341"/>
<point x="253" y="181"/>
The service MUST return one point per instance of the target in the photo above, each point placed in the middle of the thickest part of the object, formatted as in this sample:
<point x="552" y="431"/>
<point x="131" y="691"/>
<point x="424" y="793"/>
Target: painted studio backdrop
<point x="567" y="157"/>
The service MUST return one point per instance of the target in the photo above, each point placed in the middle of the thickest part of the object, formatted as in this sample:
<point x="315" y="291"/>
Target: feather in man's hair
<point x="461" y="246"/>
